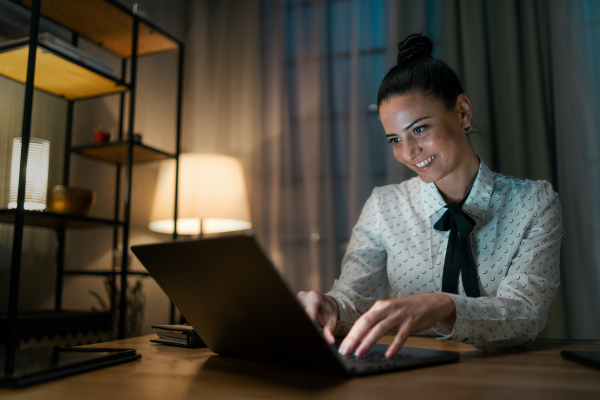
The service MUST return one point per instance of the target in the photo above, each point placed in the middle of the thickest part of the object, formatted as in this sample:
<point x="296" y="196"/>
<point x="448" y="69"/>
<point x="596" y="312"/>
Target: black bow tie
<point x="458" y="255"/>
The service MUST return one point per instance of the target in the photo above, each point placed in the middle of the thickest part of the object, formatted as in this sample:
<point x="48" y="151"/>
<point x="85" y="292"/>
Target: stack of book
<point x="66" y="48"/>
<point x="177" y="335"/>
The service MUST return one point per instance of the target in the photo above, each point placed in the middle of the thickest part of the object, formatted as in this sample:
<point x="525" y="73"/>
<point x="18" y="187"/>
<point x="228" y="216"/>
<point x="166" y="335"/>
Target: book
<point x="65" y="49"/>
<point x="177" y="335"/>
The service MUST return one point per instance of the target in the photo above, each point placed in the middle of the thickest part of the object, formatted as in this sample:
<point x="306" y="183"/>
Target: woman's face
<point x="427" y="137"/>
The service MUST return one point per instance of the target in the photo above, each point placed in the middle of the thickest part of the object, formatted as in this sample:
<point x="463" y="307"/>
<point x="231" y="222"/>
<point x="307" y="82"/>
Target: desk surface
<point x="167" y="373"/>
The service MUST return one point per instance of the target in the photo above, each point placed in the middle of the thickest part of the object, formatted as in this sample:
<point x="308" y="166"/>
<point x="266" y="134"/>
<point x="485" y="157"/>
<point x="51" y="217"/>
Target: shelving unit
<point x="113" y="27"/>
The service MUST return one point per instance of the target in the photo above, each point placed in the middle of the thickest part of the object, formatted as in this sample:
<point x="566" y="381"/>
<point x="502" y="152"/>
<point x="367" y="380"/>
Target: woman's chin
<point x="426" y="177"/>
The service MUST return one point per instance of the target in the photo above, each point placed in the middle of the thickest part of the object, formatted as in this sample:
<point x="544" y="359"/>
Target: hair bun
<point x="414" y="47"/>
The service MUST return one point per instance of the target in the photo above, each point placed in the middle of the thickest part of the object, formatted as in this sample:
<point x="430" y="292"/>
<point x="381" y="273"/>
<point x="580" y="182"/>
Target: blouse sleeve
<point x="363" y="278"/>
<point x="519" y="311"/>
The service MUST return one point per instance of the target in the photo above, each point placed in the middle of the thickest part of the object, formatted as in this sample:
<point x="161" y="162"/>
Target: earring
<point x="468" y="129"/>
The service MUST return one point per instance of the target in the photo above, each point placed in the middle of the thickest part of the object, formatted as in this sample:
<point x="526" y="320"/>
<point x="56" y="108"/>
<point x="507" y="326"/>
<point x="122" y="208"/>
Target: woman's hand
<point x="406" y="315"/>
<point x="321" y="308"/>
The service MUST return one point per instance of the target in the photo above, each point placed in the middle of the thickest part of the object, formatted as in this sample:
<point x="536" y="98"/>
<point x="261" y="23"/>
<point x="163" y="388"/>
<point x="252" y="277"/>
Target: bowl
<point x="71" y="200"/>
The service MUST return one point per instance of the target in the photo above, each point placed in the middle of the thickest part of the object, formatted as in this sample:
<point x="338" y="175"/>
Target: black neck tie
<point x="459" y="259"/>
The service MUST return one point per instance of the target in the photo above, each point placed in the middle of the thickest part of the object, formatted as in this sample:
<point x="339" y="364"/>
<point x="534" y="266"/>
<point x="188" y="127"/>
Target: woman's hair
<point x="417" y="70"/>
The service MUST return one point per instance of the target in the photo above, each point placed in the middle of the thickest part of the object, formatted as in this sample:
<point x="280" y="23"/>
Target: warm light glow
<point x="36" y="186"/>
<point x="212" y="196"/>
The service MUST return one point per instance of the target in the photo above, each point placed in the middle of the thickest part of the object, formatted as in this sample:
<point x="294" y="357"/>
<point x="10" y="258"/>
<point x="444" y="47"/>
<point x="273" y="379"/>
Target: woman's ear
<point x="463" y="107"/>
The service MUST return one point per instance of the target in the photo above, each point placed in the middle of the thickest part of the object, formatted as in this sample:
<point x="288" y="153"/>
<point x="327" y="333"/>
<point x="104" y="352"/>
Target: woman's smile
<point x="426" y="162"/>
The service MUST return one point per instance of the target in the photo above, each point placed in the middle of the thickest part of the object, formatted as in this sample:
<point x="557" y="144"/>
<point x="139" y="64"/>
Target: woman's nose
<point x="411" y="150"/>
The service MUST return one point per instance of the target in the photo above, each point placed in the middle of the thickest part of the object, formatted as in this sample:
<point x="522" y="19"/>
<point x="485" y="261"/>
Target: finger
<point x="373" y="336"/>
<point x="398" y="342"/>
<point x="360" y="329"/>
<point x="328" y="334"/>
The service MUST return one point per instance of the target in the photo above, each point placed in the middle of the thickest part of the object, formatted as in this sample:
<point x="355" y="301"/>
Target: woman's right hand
<point x="322" y="308"/>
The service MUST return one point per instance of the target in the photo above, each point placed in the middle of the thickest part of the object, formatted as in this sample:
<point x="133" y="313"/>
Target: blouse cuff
<point x="458" y="332"/>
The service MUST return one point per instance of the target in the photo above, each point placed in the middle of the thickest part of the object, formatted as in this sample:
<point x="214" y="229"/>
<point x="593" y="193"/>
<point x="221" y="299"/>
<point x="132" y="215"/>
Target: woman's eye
<point x="396" y="141"/>
<point x="419" y="129"/>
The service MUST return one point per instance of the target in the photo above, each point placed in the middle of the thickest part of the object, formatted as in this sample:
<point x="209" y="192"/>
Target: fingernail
<point x="359" y="352"/>
<point x="343" y="350"/>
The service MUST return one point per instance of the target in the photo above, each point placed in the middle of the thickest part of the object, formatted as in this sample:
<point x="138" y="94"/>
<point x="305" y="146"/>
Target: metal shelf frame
<point x="127" y="148"/>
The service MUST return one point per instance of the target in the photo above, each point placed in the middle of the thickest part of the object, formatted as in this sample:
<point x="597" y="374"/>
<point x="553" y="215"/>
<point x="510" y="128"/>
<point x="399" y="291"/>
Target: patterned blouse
<point x="395" y="252"/>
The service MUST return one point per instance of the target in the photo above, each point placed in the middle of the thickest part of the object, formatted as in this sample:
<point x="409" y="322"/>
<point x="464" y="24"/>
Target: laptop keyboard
<point x="373" y="356"/>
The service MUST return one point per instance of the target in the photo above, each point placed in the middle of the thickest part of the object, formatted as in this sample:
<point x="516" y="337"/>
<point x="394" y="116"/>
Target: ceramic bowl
<point x="71" y="200"/>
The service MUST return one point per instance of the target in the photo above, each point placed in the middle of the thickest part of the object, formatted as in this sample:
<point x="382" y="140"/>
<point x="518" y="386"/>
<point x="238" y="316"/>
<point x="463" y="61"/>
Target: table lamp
<point x="211" y="196"/>
<point x="36" y="185"/>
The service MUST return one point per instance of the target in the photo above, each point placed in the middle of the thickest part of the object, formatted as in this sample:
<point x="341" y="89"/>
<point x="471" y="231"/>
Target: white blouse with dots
<point x="395" y="251"/>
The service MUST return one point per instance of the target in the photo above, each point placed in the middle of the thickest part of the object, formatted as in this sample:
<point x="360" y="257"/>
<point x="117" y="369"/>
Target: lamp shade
<point x="211" y="195"/>
<point x="36" y="185"/>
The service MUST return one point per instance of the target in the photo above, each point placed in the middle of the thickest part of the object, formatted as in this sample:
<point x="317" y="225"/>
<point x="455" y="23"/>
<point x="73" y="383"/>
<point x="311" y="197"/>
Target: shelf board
<point x="55" y="220"/>
<point x="106" y="23"/>
<point x="116" y="152"/>
<point x="103" y="273"/>
<point x="40" y="323"/>
<point x="57" y="74"/>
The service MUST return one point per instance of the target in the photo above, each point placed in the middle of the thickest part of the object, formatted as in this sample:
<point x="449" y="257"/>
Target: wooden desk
<point x="166" y="373"/>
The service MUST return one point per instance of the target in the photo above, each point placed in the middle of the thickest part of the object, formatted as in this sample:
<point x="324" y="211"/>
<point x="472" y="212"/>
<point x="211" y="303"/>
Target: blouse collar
<point x="477" y="202"/>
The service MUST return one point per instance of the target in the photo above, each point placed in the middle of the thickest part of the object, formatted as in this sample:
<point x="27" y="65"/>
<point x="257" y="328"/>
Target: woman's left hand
<point x="406" y="315"/>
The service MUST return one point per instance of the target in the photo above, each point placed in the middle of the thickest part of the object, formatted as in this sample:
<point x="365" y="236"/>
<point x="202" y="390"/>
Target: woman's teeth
<point x="425" y="162"/>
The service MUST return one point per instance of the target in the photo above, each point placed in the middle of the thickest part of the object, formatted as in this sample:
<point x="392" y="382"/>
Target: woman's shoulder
<point x="525" y="189"/>
<point x="404" y="189"/>
<point x="396" y="198"/>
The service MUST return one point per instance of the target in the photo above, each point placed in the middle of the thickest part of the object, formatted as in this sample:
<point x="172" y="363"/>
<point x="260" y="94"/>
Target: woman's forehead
<point x="407" y="108"/>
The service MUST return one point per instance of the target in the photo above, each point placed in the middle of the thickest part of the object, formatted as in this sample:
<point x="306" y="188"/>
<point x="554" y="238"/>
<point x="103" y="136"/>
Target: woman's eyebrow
<point x="415" y="122"/>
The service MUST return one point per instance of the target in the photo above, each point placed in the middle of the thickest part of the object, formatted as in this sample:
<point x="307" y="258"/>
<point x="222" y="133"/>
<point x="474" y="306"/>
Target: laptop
<point x="229" y="291"/>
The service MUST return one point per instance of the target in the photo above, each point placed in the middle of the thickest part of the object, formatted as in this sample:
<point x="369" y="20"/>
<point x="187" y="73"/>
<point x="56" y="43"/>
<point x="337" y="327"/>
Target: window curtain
<point x="576" y="62"/>
<point x="289" y="86"/>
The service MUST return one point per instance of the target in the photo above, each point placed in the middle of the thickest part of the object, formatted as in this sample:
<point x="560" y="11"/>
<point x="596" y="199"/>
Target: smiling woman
<point x="459" y="251"/>
<point x="430" y="140"/>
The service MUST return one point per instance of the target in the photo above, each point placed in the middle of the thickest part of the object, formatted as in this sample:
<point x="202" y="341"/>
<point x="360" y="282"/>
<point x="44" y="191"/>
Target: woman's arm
<point x="363" y="278"/>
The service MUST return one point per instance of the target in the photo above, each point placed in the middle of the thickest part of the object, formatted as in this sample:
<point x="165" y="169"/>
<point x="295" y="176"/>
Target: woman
<point x="459" y="251"/>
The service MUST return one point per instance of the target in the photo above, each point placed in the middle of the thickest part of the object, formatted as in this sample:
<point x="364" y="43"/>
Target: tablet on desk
<point x="589" y="358"/>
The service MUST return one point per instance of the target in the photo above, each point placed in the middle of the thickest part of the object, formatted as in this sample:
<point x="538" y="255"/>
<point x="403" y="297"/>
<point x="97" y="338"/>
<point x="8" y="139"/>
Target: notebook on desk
<point x="230" y="292"/>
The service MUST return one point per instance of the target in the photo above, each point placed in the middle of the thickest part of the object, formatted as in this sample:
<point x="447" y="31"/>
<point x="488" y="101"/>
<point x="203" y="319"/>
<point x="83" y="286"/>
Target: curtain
<point x="332" y="55"/>
<point x="289" y="86"/>
<point x="576" y="62"/>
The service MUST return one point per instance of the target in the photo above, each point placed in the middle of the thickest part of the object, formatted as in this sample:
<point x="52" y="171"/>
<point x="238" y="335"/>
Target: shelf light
<point x="36" y="186"/>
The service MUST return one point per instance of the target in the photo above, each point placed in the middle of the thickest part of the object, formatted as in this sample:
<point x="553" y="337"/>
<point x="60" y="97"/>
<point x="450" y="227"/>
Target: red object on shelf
<point x="101" y="136"/>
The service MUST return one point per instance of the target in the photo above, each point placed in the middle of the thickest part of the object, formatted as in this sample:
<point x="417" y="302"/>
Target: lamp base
<point x="40" y="364"/>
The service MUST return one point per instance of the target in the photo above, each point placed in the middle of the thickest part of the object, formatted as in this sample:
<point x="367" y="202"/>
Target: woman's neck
<point x="454" y="189"/>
